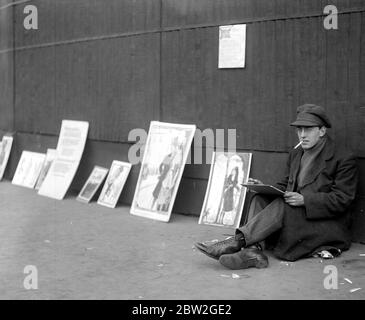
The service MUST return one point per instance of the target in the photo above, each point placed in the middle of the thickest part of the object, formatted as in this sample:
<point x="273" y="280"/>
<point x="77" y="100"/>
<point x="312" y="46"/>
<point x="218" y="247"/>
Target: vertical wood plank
<point x="6" y="68"/>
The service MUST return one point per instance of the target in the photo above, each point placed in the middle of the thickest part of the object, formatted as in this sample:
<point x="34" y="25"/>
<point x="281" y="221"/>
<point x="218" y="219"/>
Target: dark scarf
<point x="308" y="158"/>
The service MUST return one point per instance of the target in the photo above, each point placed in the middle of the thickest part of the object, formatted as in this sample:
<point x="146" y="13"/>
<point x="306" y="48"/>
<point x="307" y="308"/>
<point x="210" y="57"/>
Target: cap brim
<point x="304" y="123"/>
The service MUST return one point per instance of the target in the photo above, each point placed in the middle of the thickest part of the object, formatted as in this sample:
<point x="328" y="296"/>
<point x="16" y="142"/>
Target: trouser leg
<point x="263" y="223"/>
<point x="257" y="203"/>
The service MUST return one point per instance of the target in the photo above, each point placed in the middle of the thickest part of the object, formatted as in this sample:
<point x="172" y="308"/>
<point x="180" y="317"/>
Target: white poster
<point x="114" y="183"/>
<point x="232" y="46"/>
<point x="70" y="147"/>
<point x="5" y="148"/>
<point x="164" y="159"/>
<point x="28" y="169"/>
<point x="225" y="196"/>
<point x="50" y="156"/>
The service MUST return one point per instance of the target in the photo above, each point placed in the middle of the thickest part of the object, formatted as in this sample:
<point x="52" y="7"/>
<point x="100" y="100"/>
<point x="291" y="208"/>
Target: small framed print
<point x="92" y="184"/>
<point x="114" y="183"/>
<point x="28" y="169"/>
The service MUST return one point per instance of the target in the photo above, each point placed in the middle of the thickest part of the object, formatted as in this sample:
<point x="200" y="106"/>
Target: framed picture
<point x="114" y="183"/>
<point x="28" y="169"/>
<point x="50" y="156"/>
<point x="92" y="184"/>
<point x="5" y="148"/>
<point x="163" y="163"/>
<point x="225" y="196"/>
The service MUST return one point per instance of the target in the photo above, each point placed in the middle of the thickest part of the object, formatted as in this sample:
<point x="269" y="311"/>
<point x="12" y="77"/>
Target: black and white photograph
<point x="183" y="157"/>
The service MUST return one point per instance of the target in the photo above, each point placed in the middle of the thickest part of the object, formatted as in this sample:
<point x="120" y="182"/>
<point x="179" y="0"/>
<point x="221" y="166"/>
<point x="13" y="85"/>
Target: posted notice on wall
<point x="232" y="46"/>
<point x="70" y="147"/>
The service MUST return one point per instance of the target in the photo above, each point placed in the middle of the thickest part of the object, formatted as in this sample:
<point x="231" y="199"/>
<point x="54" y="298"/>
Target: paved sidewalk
<point x="86" y="251"/>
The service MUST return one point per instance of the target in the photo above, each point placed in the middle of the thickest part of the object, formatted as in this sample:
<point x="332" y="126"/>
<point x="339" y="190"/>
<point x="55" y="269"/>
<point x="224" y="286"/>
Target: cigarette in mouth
<point x="298" y="144"/>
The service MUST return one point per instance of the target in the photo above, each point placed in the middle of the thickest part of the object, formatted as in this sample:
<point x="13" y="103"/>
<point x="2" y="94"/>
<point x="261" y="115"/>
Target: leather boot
<point x="251" y="257"/>
<point x="215" y="250"/>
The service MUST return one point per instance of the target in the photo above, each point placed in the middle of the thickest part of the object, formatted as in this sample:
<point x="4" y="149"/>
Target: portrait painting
<point x="164" y="159"/>
<point x="114" y="183"/>
<point x="225" y="196"/>
<point x="92" y="184"/>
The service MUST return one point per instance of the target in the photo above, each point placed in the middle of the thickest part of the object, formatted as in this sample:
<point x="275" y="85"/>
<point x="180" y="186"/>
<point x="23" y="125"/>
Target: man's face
<point x="310" y="136"/>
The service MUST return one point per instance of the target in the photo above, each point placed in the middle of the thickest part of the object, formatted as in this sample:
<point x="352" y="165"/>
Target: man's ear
<point x="322" y="131"/>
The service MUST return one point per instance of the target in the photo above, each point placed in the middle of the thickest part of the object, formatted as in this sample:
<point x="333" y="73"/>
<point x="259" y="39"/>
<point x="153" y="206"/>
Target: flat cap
<point x="310" y="115"/>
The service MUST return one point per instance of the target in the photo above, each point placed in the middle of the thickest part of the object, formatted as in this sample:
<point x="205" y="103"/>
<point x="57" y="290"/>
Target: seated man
<point x="320" y="185"/>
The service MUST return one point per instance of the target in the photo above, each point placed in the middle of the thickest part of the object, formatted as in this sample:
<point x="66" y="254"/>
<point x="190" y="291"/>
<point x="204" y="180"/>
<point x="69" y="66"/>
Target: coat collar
<point x="319" y="163"/>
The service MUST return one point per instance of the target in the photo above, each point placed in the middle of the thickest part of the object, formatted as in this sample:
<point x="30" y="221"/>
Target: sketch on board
<point x="164" y="159"/>
<point x="225" y="196"/>
<point x="114" y="183"/>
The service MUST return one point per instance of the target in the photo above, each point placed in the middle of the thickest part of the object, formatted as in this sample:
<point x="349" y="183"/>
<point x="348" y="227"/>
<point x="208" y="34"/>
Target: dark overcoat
<point x="329" y="190"/>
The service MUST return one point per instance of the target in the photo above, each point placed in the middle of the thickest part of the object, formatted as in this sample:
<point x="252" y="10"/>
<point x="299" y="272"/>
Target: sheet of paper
<point x="5" y="148"/>
<point x="28" y="169"/>
<point x="232" y="46"/>
<point x="264" y="189"/>
<point x="70" y="148"/>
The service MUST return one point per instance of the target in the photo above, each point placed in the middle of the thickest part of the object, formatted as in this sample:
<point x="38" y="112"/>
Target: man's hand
<point x="253" y="181"/>
<point x="294" y="199"/>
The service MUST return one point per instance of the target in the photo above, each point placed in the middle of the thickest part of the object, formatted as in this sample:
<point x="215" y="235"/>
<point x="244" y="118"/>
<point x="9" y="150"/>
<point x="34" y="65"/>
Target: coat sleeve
<point x="322" y="205"/>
